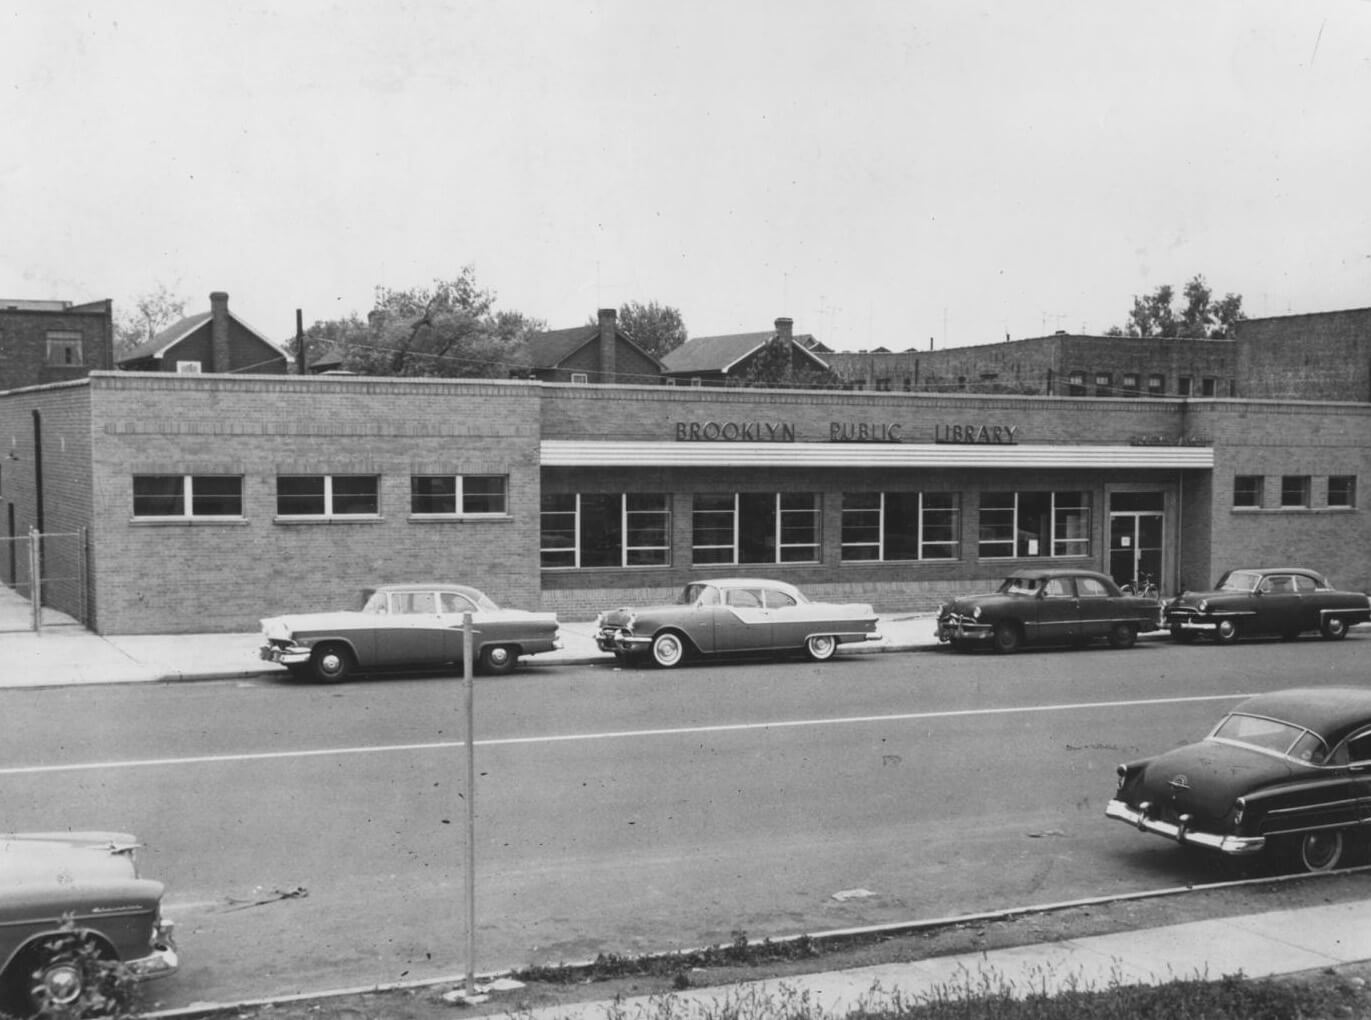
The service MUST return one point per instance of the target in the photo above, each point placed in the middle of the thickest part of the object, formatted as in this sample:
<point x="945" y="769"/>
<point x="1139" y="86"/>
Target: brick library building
<point x="204" y="502"/>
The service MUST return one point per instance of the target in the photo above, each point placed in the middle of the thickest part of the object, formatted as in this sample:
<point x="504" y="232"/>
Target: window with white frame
<point x="162" y="497"/>
<point x="458" y="495"/>
<point x="1342" y="491"/>
<point x="64" y="347"/>
<point x="584" y="529"/>
<point x="755" y="527"/>
<point x="1034" y="524"/>
<point x="328" y="495"/>
<point x="900" y="526"/>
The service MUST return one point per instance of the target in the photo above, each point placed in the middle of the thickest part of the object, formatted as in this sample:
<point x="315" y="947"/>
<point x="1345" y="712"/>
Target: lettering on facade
<point x="974" y="432"/>
<point x="864" y="432"/>
<point x="735" y="432"/>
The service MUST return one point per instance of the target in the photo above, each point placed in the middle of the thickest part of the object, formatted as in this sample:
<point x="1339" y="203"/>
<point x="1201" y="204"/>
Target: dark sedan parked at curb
<point x="1283" y="602"/>
<point x="1050" y="605"/>
<point x="406" y="626"/>
<point x="77" y="924"/>
<point x="1287" y="774"/>
<point x="733" y="615"/>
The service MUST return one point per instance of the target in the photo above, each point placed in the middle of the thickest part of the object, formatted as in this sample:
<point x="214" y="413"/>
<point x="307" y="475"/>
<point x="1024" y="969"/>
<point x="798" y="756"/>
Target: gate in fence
<point x="44" y="575"/>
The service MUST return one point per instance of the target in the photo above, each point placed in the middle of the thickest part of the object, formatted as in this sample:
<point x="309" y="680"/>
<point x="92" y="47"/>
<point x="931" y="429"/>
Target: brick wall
<point x="1323" y="356"/>
<point x="24" y="343"/>
<point x="179" y="577"/>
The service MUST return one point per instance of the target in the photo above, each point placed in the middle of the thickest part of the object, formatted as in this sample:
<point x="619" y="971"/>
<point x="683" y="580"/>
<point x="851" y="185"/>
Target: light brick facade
<point x="1180" y="457"/>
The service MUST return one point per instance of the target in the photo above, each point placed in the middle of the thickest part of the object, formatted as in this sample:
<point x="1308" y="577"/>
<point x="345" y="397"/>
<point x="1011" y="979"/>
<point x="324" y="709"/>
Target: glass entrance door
<point x="1136" y="531"/>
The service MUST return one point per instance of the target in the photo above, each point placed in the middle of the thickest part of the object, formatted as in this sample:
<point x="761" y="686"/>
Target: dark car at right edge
<point x="1280" y="602"/>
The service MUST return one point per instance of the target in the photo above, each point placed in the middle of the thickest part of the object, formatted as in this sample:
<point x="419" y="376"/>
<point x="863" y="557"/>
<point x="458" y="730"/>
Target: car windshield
<point x="1240" y="580"/>
<point x="1019" y="586"/>
<point x="1271" y="735"/>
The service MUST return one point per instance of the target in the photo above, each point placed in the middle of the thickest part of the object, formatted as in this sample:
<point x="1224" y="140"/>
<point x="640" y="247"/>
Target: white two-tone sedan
<point x="731" y="616"/>
<point x="406" y="626"/>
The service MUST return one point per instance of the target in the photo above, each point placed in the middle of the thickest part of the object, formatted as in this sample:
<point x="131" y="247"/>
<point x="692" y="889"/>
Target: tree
<point x="783" y="365"/>
<point x="657" y="329"/>
<point x="450" y="329"/>
<point x="1202" y="317"/>
<point x="153" y="312"/>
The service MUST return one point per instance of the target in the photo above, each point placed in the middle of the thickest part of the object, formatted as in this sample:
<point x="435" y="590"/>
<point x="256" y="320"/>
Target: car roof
<point x="461" y="589"/>
<point x="1041" y="573"/>
<point x="1331" y="712"/>
<point x="748" y="582"/>
<point x="1278" y="570"/>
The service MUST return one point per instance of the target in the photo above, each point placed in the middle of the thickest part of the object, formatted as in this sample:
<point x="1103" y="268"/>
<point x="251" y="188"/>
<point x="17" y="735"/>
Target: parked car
<point x="1287" y="774"/>
<point x="734" y="615"/>
<point x="1283" y="601"/>
<point x="1050" y="605"/>
<point x="406" y="626"/>
<point x="71" y="905"/>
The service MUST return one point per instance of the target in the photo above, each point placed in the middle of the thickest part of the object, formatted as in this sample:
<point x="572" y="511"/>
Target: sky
<point x="887" y="173"/>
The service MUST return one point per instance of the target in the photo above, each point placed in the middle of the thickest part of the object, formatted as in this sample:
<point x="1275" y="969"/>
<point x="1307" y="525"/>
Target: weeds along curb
<point x="741" y="951"/>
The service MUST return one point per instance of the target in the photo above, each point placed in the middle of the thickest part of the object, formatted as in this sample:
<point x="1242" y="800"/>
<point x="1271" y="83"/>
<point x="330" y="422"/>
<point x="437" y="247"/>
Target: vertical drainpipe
<point x="38" y="468"/>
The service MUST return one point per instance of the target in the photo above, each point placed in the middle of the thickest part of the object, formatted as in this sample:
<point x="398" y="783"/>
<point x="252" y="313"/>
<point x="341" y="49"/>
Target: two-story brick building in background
<point x="207" y="501"/>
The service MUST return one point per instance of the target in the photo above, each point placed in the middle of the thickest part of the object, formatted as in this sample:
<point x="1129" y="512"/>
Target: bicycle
<point x="1141" y="585"/>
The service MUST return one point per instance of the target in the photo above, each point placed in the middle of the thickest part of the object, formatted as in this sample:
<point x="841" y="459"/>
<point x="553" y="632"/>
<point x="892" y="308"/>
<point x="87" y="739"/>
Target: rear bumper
<point x="1140" y="820"/>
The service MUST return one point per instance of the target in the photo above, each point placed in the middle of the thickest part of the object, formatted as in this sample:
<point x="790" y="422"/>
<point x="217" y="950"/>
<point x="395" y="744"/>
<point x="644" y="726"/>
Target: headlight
<point x="1203" y="607"/>
<point x="628" y="624"/>
<point x="976" y="613"/>
<point x="1239" y="809"/>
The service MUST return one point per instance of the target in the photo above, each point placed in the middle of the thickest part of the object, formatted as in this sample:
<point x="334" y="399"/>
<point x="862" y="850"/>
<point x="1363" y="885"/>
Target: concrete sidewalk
<point x="63" y="653"/>
<point x="1255" y="945"/>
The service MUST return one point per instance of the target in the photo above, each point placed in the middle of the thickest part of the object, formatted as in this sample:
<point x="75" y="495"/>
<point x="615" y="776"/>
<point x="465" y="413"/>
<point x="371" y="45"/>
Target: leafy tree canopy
<point x="450" y="329"/>
<point x="1200" y="316"/>
<point x="657" y="329"/>
<point x="781" y="364"/>
<point x="152" y="312"/>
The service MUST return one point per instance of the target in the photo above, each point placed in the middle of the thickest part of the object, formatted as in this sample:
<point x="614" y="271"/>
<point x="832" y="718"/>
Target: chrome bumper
<point x="162" y="961"/>
<point x="961" y="630"/>
<point x="291" y="656"/>
<point x="1138" y="818"/>
<point x="620" y="641"/>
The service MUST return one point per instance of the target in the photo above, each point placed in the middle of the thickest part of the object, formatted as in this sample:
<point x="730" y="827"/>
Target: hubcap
<point x="499" y="656"/>
<point x="332" y="663"/>
<point x="62" y="984"/>
<point x="1321" y="850"/>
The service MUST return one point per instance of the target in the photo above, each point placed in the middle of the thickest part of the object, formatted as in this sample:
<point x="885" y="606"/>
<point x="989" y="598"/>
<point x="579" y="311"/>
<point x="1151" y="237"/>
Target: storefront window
<point x="899" y="526"/>
<point x="1032" y="524"/>
<point x="755" y="527"/>
<point x="606" y="530"/>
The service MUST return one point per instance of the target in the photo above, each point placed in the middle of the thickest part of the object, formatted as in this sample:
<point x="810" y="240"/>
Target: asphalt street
<point x="312" y="837"/>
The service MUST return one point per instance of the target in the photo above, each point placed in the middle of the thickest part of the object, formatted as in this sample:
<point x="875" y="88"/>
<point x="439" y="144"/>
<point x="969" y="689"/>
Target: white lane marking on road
<point x="443" y="745"/>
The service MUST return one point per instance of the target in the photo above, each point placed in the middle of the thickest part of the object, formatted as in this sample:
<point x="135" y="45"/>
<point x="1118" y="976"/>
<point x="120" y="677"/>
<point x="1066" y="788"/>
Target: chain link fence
<point x="45" y="581"/>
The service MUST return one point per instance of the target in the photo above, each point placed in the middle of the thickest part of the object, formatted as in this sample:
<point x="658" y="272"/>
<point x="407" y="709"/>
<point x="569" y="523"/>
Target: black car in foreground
<point x="1282" y="602"/>
<point x="1286" y="774"/>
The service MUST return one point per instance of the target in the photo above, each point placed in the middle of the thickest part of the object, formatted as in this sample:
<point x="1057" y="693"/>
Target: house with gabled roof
<point x="724" y="360"/>
<point x="598" y="352"/>
<point x="214" y="341"/>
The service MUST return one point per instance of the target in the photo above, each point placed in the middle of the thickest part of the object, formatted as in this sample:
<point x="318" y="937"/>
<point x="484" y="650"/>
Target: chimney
<point x="219" y="332"/>
<point x="785" y="328"/>
<point x="301" y="365"/>
<point x="607" y="345"/>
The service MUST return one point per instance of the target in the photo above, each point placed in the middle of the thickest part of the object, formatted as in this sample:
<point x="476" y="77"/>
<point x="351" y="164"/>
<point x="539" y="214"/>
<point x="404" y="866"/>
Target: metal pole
<point x="36" y="579"/>
<point x="469" y="689"/>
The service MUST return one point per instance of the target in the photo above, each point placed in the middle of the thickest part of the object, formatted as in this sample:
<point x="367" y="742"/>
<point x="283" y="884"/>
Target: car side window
<point x="1091" y="588"/>
<point x="744" y="598"/>
<point x="454" y="603"/>
<point x="777" y="599"/>
<point x="1359" y="749"/>
<point x="1278" y="584"/>
<point x="414" y="602"/>
<point x="1304" y="584"/>
<point x="1059" y="588"/>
